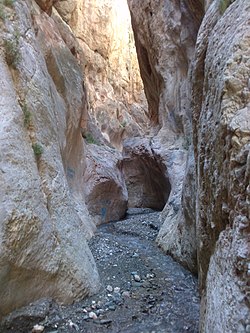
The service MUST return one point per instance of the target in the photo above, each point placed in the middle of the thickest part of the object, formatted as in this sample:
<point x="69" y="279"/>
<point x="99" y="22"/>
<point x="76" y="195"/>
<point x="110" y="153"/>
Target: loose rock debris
<point x="143" y="290"/>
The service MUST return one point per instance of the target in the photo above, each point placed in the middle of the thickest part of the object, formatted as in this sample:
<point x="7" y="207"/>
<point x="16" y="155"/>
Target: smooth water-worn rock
<point x="165" y="35"/>
<point x="145" y="174"/>
<point x="208" y="208"/>
<point x="222" y="143"/>
<point x="115" y="92"/>
<point x="43" y="219"/>
<point x="105" y="191"/>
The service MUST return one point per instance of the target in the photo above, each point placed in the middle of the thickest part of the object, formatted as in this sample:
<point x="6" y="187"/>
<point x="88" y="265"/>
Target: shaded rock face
<point x="115" y="92"/>
<point x="43" y="219"/>
<point x="105" y="191"/>
<point x="145" y="175"/>
<point x="207" y="213"/>
<point x="222" y="143"/>
<point x="177" y="235"/>
<point x="165" y="35"/>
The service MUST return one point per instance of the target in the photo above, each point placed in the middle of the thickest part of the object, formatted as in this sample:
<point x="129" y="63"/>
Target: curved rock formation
<point x="105" y="191"/>
<point x="222" y="153"/>
<point x="165" y="35"/>
<point x="145" y="175"/>
<point x="43" y="219"/>
<point x="115" y="92"/>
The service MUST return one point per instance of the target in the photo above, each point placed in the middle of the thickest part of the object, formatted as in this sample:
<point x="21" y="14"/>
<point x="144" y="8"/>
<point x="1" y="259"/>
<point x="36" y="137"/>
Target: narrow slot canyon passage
<point x="126" y="185"/>
<point x="124" y="166"/>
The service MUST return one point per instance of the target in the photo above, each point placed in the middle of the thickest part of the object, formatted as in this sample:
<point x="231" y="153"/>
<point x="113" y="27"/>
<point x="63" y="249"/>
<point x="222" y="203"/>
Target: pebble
<point x="92" y="315"/>
<point x="38" y="329"/>
<point x="117" y="290"/>
<point x="109" y="288"/>
<point x="112" y="307"/>
<point x="137" y="278"/>
<point x="73" y="325"/>
<point x="126" y="294"/>
<point x="150" y="276"/>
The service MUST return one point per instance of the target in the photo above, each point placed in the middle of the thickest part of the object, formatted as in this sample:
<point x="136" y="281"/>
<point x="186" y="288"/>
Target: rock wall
<point x="165" y="35"/>
<point x="115" y="92"/>
<point x="43" y="219"/>
<point x="104" y="188"/>
<point x="145" y="175"/>
<point x="207" y="213"/>
<point x="222" y="142"/>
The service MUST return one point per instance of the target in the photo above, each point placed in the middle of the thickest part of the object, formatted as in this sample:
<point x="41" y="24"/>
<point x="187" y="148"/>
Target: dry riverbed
<point x="143" y="290"/>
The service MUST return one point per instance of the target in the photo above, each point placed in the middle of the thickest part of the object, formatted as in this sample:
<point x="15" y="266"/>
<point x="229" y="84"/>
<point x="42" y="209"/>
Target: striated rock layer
<point x="43" y="219"/>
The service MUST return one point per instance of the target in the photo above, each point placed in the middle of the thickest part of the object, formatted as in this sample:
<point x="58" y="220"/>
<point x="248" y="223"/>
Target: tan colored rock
<point x="177" y="235"/>
<point x="220" y="105"/>
<point x="104" y="187"/>
<point x="46" y="5"/>
<point x="145" y="175"/>
<point x="165" y="35"/>
<point x="222" y="145"/>
<point x="117" y="102"/>
<point x="43" y="220"/>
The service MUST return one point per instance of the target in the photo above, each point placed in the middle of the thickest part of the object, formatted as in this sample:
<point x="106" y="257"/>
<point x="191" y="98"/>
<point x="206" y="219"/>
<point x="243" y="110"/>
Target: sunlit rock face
<point x="116" y="99"/>
<point x="43" y="219"/>
<point x="221" y="117"/>
<point x="165" y="35"/>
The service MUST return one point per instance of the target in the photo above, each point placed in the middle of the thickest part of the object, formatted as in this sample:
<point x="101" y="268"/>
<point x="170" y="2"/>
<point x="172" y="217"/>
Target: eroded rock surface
<point x="43" y="219"/>
<point x="105" y="191"/>
<point x="165" y="35"/>
<point x="222" y="142"/>
<point x="216" y="180"/>
<point x="145" y="175"/>
<point x="115" y="91"/>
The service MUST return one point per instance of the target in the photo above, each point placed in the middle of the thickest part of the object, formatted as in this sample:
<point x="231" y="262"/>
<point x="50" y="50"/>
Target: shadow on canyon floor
<point x="142" y="289"/>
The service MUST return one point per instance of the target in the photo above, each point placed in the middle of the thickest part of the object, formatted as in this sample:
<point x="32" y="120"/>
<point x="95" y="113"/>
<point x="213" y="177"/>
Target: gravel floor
<point x="143" y="290"/>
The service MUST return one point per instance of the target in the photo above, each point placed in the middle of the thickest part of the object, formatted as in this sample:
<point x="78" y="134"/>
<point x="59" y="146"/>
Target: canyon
<point x="109" y="106"/>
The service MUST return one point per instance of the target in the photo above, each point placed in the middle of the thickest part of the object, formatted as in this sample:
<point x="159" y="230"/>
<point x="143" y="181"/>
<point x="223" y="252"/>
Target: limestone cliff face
<point x="221" y="114"/>
<point x="115" y="92"/>
<point x="43" y="219"/>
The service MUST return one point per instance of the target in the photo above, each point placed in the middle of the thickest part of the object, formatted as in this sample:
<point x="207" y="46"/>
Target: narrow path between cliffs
<point x="142" y="289"/>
